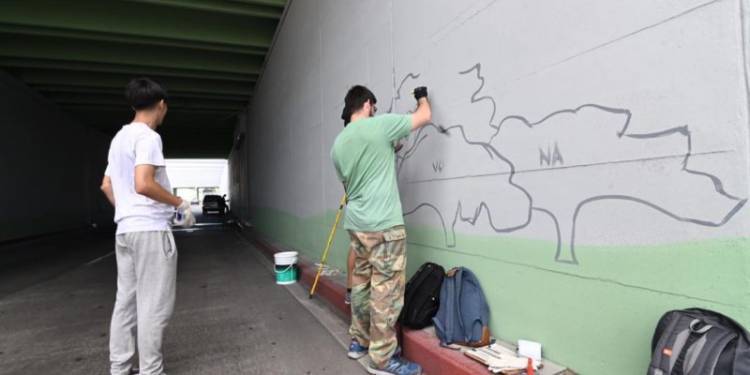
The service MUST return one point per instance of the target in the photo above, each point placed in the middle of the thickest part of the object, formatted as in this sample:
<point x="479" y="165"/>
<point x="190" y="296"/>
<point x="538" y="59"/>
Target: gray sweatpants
<point x="146" y="282"/>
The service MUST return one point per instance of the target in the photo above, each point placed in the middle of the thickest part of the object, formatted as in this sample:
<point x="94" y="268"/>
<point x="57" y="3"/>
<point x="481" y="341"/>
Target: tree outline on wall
<point x="454" y="210"/>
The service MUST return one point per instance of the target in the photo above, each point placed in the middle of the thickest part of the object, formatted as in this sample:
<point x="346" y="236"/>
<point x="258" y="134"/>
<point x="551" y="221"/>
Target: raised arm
<point x="423" y="115"/>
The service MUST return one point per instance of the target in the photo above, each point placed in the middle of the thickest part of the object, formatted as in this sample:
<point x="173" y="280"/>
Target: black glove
<point x="420" y="92"/>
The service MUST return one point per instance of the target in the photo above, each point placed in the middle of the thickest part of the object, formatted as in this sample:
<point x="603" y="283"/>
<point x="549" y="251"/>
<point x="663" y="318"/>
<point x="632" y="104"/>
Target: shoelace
<point x="397" y="362"/>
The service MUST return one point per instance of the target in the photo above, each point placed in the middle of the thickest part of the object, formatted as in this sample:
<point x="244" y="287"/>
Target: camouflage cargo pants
<point x="378" y="283"/>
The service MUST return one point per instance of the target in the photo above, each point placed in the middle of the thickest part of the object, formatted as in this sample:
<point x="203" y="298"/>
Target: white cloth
<point x="146" y="285"/>
<point x="184" y="217"/>
<point x="137" y="144"/>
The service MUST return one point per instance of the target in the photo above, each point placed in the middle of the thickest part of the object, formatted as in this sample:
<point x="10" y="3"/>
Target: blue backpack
<point x="463" y="314"/>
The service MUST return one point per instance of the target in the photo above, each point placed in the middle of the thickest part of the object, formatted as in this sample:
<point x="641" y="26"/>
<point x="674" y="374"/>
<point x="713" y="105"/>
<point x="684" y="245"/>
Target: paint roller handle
<point x="323" y="260"/>
<point x="420" y="92"/>
<point x="343" y="202"/>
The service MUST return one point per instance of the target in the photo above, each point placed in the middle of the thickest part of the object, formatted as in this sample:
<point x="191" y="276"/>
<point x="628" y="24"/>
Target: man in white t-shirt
<point x="136" y="183"/>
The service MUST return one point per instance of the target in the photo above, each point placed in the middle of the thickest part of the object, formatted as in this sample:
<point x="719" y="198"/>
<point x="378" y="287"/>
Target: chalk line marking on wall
<point x="607" y="280"/>
<point x="744" y="29"/>
<point x="623" y="37"/>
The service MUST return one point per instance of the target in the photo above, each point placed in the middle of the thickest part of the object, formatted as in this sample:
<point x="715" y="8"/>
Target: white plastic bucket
<point x="285" y="267"/>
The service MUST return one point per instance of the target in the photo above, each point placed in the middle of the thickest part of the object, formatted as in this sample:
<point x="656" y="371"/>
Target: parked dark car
<point x="214" y="204"/>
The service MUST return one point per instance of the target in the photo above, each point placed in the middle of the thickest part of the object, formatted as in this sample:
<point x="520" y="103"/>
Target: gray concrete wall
<point x="240" y="184"/>
<point x="597" y="151"/>
<point x="51" y="166"/>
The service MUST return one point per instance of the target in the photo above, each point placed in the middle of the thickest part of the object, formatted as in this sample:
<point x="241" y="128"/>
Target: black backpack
<point x="699" y="342"/>
<point x="422" y="296"/>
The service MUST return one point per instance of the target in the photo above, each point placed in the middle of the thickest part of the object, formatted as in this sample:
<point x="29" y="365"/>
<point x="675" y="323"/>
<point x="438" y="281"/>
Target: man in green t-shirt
<point x="366" y="164"/>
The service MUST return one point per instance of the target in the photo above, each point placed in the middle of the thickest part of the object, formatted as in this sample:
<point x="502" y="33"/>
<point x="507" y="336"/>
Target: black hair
<point x="355" y="98"/>
<point x="143" y="93"/>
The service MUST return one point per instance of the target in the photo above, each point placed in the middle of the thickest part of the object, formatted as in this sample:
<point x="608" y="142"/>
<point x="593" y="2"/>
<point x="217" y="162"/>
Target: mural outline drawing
<point x="508" y="172"/>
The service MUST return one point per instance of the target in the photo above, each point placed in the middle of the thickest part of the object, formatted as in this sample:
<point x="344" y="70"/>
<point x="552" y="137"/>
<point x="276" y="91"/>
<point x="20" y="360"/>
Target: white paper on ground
<point x="530" y="349"/>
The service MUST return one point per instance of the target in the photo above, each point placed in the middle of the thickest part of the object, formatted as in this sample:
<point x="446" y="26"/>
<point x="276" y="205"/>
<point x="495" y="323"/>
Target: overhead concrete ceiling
<point x="81" y="53"/>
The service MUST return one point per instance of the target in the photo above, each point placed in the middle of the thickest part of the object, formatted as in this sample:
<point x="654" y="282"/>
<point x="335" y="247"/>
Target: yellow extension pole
<point x="328" y="246"/>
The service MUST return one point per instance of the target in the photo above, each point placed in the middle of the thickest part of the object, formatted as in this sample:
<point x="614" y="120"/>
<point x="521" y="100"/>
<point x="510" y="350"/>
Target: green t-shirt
<point x="365" y="162"/>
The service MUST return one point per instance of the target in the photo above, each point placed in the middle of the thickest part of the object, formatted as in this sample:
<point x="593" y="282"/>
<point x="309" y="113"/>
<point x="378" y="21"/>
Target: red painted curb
<point x="420" y="346"/>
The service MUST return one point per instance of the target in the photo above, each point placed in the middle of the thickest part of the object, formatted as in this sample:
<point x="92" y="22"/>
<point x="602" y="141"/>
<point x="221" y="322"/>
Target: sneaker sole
<point x="375" y="371"/>
<point x="353" y="355"/>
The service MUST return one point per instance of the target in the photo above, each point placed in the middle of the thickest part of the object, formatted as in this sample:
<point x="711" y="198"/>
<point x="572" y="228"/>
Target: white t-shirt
<point x="137" y="144"/>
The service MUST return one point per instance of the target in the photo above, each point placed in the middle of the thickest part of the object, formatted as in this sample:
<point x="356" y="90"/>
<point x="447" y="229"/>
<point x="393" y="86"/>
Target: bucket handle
<point x="285" y="269"/>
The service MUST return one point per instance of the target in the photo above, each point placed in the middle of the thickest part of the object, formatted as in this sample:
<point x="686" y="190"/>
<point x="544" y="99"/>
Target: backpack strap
<point x="448" y="302"/>
<point x="479" y="317"/>
<point x="453" y="322"/>
<point x="741" y="361"/>
<point x="697" y="329"/>
<point x="457" y="301"/>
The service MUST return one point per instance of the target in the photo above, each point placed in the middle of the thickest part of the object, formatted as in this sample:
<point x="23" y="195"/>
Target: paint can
<point x="285" y="267"/>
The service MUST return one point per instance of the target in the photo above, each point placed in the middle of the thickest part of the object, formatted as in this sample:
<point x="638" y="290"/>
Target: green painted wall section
<point x="596" y="317"/>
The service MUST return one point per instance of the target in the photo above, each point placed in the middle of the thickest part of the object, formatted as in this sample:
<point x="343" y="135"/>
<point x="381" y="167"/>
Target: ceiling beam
<point x="252" y="9"/>
<point x="98" y="52"/>
<point x="92" y="103"/>
<point x="197" y="151"/>
<point x="186" y="143"/>
<point x="14" y="29"/>
<point x="80" y="54"/>
<point x="119" y="99"/>
<point x="45" y="89"/>
<point x="81" y="78"/>
<point x="71" y="67"/>
<point x="112" y="118"/>
<point x="277" y="3"/>
<point x="141" y="19"/>
<point x="110" y="106"/>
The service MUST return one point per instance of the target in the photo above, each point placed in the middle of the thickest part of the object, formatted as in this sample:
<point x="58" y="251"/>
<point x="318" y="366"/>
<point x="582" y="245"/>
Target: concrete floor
<point x="230" y="316"/>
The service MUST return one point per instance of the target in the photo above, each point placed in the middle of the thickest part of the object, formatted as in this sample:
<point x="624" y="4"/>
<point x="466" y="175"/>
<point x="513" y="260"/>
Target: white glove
<point x="184" y="215"/>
